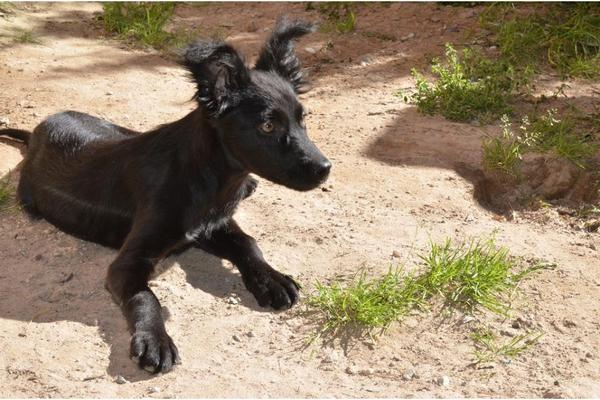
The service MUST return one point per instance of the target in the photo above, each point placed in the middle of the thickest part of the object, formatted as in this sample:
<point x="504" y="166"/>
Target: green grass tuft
<point x="26" y="36"/>
<point x="468" y="88"/>
<point x="364" y="304"/>
<point x="488" y="349"/>
<point x="467" y="277"/>
<point x="544" y="134"/>
<point x="565" y="37"/>
<point x="143" y="21"/>
<point x="340" y="15"/>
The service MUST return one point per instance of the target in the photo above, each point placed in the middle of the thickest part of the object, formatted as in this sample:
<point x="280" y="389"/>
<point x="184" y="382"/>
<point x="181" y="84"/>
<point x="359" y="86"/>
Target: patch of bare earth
<point x="399" y="178"/>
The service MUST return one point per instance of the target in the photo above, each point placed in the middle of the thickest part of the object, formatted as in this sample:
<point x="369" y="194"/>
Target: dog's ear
<point x="278" y="54"/>
<point x="219" y="73"/>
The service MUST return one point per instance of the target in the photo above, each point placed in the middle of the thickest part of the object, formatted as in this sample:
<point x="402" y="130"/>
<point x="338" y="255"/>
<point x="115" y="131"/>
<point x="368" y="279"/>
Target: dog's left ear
<point x="279" y="56"/>
<point x="219" y="73"/>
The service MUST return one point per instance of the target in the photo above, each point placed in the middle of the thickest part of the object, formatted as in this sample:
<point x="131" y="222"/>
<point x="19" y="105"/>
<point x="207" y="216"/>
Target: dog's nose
<point x="322" y="169"/>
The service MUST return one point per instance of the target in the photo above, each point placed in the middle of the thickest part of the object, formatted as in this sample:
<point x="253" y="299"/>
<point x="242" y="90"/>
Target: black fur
<point x="178" y="186"/>
<point x="278" y="54"/>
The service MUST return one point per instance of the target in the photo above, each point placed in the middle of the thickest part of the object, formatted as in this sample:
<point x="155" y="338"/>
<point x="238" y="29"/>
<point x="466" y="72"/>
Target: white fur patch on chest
<point x="205" y="229"/>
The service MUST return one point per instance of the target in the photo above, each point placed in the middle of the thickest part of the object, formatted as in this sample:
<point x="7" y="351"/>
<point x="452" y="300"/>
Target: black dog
<point x="178" y="186"/>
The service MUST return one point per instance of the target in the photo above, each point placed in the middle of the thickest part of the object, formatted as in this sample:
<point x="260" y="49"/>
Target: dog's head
<point x="256" y="110"/>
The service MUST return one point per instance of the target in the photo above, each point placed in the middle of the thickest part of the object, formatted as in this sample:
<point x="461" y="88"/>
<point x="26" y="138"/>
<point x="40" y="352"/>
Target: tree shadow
<point x="414" y="139"/>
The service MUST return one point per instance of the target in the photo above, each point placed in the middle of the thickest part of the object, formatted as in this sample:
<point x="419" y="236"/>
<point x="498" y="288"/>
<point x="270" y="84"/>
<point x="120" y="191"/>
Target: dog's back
<point x="53" y="185"/>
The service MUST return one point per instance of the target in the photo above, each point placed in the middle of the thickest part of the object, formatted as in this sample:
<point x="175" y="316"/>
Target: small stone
<point x="468" y="318"/>
<point x="310" y="50"/>
<point x="453" y="28"/>
<point x="409" y="374"/>
<point x="396" y="254"/>
<point x="506" y="332"/>
<point x="569" y="324"/>
<point x="516" y="324"/>
<point x="351" y="370"/>
<point x="250" y="334"/>
<point x="492" y="47"/>
<point x="331" y="357"/>
<point x="366" y="61"/>
<point x="589" y="355"/>
<point x="443" y="381"/>
<point x="153" y="389"/>
<point x="109" y="93"/>
<point x="120" y="380"/>
<point x="236" y="338"/>
<point x="407" y="37"/>
<point x="232" y="300"/>
<point x="4" y="121"/>
<point x="366" y="372"/>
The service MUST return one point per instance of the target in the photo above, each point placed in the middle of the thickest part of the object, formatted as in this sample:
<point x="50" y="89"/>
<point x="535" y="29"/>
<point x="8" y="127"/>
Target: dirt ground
<point x="398" y="180"/>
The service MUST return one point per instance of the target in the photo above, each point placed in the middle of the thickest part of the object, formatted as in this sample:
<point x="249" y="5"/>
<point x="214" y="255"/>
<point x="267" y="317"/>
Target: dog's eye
<point x="267" y="127"/>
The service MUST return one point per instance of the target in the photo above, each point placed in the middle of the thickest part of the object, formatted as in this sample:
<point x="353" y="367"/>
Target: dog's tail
<point x="18" y="134"/>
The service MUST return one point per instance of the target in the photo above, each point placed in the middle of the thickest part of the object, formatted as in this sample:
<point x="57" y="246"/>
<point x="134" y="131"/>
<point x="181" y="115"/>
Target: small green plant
<point x="563" y="36"/>
<point x="25" y="36"/>
<point x="466" y="277"/>
<point x="503" y="153"/>
<point x="545" y="133"/>
<point x="488" y="349"/>
<point x="340" y="15"/>
<point x="364" y="304"/>
<point x="467" y="89"/>
<point x="470" y="276"/>
<point x="143" y="21"/>
<point x="560" y="137"/>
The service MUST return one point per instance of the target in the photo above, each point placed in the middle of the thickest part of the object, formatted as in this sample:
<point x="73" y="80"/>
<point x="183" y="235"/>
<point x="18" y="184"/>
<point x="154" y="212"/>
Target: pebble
<point x="351" y="370"/>
<point x="453" y="29"/>
<point x="396" y="254"/>
<point x="4" y="121"/>
<point x="407" y="37"/>
<point x="120" y="380"/>
<point x="569" y="324"/>
<point x="332" y="357"/>
<point x="236" y="338"/>
<point x="310" y="50"/>
<point x="516" y="324"/>
<point x="366" y="372"/>
<point x="250" y="334"/>
<point x="366" y="61"/>
<point x="443" y="381"/>
<point x="233" y="300"/>
<point x="109" y="93"/>
<point x="409" y="374"/>
<point x="153" y="389"/>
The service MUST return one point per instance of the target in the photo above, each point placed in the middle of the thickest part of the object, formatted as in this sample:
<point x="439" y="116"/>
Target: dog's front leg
<point x="269" y="287"/>
<point x="127" y="280"/>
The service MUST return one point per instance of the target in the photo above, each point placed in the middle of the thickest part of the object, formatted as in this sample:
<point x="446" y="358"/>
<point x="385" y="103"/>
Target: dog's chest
<point x="218" y="216"/>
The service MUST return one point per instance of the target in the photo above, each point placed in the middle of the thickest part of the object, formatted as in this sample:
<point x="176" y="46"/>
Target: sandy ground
<point x="398" y="181"/>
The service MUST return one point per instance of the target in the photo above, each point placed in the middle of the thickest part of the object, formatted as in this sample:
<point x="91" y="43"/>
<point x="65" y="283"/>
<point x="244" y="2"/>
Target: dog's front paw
<point x="272" y="288"/>
<point x="154" y="350"/>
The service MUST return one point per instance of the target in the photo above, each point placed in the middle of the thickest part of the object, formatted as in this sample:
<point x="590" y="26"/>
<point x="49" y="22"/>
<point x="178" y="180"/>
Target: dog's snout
<point x="322" y="169"/>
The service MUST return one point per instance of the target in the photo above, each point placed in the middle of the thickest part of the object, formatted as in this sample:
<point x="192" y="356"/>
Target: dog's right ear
<point x="279" y="56"/>
<point x="219" y="73"/>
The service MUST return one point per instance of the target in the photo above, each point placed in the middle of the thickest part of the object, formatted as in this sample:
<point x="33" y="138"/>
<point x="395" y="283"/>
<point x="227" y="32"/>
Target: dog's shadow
<point x="48" y="278"/>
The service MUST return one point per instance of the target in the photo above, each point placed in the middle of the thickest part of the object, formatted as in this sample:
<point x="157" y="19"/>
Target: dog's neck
<point x="202" y="152"/>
